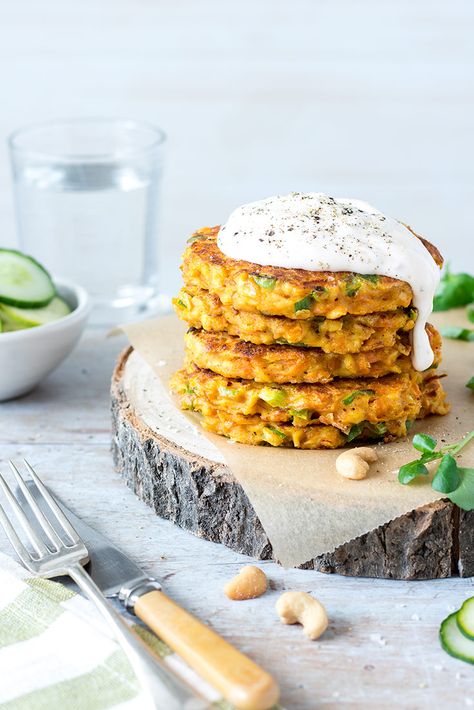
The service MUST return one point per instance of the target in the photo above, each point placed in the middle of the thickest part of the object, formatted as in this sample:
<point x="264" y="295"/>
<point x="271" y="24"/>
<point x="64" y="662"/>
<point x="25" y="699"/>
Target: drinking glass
<point x="86" y="197"/>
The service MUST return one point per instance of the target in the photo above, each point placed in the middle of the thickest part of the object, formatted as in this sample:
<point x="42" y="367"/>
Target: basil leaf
<point x="267" y="282"/>
<point x="424" y="443"/>
<point x="446" y="478"/>
<point x="410" y="471"/>
<point x="454" y="290"/>
<point x="463" y="496"/>
<point x="457" y="333"/>
<point x="470" y="384"/>
<point x="350" y="398"/>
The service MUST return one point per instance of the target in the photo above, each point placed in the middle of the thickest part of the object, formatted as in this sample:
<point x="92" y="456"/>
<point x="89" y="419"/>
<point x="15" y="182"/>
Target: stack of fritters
<point x="290" y="357"/>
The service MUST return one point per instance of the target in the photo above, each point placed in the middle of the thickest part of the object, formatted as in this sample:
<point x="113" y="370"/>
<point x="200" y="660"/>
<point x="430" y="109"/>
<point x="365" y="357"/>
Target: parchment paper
<point x="305" y="507"/>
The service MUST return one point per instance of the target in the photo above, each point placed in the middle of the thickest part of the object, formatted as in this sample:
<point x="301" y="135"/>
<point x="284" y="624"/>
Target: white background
<point x="367" y="98"/>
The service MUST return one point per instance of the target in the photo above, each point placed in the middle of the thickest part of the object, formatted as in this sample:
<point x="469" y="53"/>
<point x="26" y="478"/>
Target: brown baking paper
<point x="305" y="507"/>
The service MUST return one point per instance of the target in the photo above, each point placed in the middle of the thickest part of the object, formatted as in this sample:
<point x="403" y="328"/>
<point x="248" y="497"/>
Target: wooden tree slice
<point x="201" y="495"/>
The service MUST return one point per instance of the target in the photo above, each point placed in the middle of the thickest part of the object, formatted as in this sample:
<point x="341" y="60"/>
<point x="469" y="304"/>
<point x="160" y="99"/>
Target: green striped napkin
<point x="57" y="652"/>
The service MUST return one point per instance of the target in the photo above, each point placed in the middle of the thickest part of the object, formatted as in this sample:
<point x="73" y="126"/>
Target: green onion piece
<point x="305" y="303"/>
<point x="227" y="392"/>
<point x="197" y="238"/>
<point x="302" y="414"/>
<point x="357" y="393"/>
<point x="353" y="285"/>
<point x="273" y="397"/>
<point x="267" y="282"/>
<point x="355" y="431"/>
<point x="276" y="431"/>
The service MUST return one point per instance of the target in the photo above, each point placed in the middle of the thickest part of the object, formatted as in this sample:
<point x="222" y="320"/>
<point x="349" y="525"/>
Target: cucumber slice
<point x="454" y="642"/>
<point x="23" y="281"/>
<point x="465" y="618"/>
<point x="19" y="318"/>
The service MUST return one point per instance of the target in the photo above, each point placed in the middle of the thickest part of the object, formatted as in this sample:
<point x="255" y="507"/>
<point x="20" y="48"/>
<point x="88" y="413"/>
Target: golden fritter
<point x="349" y="334"/>
<point x="293" y="293"/>
<point x="231" y="357"/>
<point x="255" y="430"/>
<point x="341" y="403"/>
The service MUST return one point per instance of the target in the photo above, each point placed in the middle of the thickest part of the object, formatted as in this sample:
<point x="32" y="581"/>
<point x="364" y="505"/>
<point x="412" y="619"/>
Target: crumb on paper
<point x="161" y="363"/>
<point x="415" y="617"/>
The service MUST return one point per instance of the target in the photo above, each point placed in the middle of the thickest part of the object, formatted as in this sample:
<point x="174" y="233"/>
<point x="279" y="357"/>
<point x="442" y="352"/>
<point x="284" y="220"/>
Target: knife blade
<point x="241" y="681"/>
<point x="113" y="571"/>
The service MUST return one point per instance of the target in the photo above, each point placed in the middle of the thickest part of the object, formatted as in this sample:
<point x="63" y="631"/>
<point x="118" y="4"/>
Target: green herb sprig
<point x="457" y="333"/>
<point x="454" y="290"/>
<point x="455" y="482"/>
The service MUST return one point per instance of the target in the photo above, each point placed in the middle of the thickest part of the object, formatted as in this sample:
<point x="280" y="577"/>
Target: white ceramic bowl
<point x="27" y="356"/>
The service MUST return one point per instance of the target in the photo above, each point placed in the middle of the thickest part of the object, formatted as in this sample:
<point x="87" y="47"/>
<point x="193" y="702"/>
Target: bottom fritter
<point x="337" y="413"/>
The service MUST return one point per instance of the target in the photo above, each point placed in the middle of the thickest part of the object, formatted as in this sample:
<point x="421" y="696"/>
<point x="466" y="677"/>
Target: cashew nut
<point x="354" y="463"/>
<point x="251" y="582"/>
<point x="301" y="608"/>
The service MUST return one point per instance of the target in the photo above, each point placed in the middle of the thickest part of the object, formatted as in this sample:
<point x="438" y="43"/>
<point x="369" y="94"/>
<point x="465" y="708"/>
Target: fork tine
<point x="43" y="521"/>
<point x="35" y="540"/>
<point x="17" y="544"/>
<point x="54" y="507"/>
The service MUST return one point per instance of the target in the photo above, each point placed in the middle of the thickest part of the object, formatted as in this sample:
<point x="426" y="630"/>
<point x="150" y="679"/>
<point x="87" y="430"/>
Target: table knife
<point x="241" y="681"/>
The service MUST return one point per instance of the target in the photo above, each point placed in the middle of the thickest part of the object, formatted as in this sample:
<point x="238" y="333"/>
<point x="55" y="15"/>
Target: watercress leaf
<point x="454" y="290"/>
<point x="411" y="470"/>
<point x="446" y="478"/>
<point x="463" y="496"/>
<point x="470" y="313"/>
<point x="470" y="383"/>
<point x="457" y="333"/>
<point x="424" y="443"/>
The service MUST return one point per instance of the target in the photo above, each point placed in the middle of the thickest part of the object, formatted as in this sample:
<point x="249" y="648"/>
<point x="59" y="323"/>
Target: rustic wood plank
<point x="202" y="497"/>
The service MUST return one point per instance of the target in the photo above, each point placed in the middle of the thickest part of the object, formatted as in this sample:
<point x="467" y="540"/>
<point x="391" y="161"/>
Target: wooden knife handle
<point x="239" y="679"/>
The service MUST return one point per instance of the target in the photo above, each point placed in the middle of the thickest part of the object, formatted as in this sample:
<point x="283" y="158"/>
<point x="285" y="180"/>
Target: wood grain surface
<point x="381" y="649"/>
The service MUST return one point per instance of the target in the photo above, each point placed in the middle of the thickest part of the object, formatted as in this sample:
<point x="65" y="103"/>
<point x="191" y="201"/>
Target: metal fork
<point x="57" y="559"/>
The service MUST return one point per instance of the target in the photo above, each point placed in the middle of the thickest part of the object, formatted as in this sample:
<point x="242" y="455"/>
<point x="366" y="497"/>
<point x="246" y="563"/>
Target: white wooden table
<point x="381" y="649"/>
